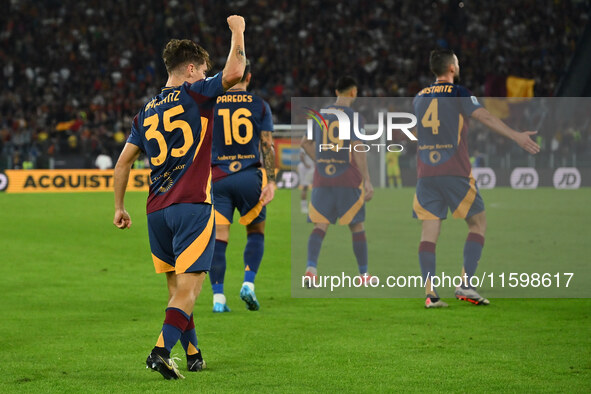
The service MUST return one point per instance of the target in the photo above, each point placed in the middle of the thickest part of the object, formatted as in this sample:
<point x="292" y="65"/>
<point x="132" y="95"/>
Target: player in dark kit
<point x="444" y="173"/>
<point x="341" y="184"/>
<point x="242" y="134"/>
<point x="174" y="131"/>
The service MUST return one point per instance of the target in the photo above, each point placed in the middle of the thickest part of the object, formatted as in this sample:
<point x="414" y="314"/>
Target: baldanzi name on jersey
<point x="234" y="98"/>
<point x="170" y="97"/>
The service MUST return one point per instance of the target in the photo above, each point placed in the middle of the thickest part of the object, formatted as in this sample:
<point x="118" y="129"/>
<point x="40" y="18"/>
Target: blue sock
<point x="189" y="338"/>
<point x="175" y="323"/>
<point x="314" y="245"/>
<point x="360" y="250"/>
<point x="427" y="260"/>
<point x="253" y="255"/>
<point x="472" y="252"/>
<point x="218" y="267"/>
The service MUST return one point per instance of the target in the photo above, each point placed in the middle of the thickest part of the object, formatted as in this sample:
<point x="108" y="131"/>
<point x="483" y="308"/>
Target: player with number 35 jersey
<point x="174" y="131"/>
<point x="185" y="177"/>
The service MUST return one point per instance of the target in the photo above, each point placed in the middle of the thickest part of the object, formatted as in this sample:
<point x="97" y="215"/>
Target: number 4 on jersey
<point x="431" y="118"/>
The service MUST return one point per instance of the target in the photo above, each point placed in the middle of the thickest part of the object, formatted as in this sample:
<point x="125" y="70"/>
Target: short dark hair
<point x="345" y="83"/>
<point x="246" y="71"/>
<point x="181" y="52"/>
<point x="439" y="60"/>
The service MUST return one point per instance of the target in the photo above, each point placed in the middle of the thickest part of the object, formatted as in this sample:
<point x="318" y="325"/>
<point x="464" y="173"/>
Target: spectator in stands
<point x="93" y="62"/>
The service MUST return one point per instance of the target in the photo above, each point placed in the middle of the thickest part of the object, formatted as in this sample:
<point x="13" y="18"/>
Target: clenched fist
<point x="236" y="23"/>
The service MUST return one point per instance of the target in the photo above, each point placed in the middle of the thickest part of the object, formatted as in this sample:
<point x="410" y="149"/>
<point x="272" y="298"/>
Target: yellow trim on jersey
<point x="161" y="265"/>
<point x="256" y="210"/>
<point x="460" y="127"/>
<point x="188" y="257"/>
<point x="462" y="210"/>
<point x="221" y="219"/>
<point x="350" y="214"/>
<point x="208" y="189"/>
<point x="201" y="138"/>
<point x="421" y="212"/>
<point x="315" y="216"/>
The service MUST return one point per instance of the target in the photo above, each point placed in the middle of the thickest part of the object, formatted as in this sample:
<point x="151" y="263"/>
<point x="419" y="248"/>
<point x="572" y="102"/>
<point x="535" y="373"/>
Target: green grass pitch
<point x="81" y="307"/>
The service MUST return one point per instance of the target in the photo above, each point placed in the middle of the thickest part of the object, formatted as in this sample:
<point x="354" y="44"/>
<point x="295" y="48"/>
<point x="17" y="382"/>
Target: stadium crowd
<point x="75" y="73"/>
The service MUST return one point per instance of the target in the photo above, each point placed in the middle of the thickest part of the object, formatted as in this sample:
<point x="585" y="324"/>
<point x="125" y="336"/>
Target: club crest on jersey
<point x="434" y="156"/>
<point x="330" y="170"/>
<point x="235" y="166"/>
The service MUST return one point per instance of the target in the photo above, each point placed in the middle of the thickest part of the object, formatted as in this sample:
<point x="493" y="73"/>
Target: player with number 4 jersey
<point x="241" y="138"/>
<point x="444" y="173"/>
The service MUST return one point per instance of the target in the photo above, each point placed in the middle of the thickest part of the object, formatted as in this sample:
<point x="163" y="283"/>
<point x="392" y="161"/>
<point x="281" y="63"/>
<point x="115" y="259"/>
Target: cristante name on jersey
<point x="235" y="98"/>
<point x="437" y="89"/>
<point x="169" y="98"/>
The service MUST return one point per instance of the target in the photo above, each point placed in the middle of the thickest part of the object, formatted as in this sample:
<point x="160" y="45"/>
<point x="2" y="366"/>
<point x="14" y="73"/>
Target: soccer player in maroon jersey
<point x="444" y="173"/>
<point x="174" y="130"/>
<point x="341" y="185"/>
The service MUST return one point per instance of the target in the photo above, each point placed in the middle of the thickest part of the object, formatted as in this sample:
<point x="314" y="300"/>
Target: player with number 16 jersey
<point x="242" y="138"/>
<point x="240" y="116"/>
